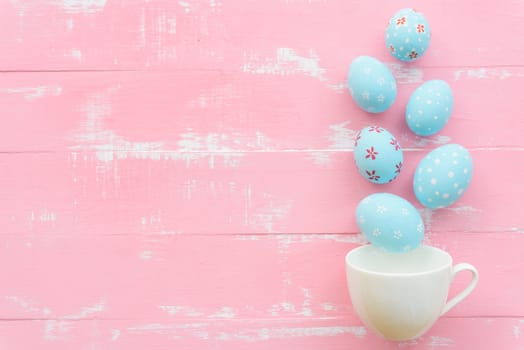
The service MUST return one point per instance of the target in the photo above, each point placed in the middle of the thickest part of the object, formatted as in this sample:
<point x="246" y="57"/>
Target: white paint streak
<point x="328" y="307"/>
<point x="306" y="304"/>
<point x="169" y="329"/>
<point x="115" y="334"/>
<point x="171" y="25"/>
<point x="146" y="255"/>
<point x="93" y="135"/>
<point x="224" y="312"/>
<point x="88" y="311"/>
<point x="263" y="334"/>
<point x="56" y="329"/>
<point x="43" y="215"/>
<point x="320" y="158"/>
<point x="271" y="215"/>
<point x="430" y="140"/>
<point x="82" y="6"/>
<point x="76" y="54"/>
<point x="405" y="74"/>
<point x="516" y="331"/>
<point x="483" y="73"/>
<point x="464" y="209"/>
<point x="34" y="92"/>
<point x="247" y="238"/>
<point x="436" y="341"/>
<point x="185" y="311"/>
<point x="185" y="6"/>
<point x="286" y="62"/>
<point x="341" y="137"/>
<point x="427" y="216"/>
<point x="27" y="305"/>
<point x="286" y="240"/>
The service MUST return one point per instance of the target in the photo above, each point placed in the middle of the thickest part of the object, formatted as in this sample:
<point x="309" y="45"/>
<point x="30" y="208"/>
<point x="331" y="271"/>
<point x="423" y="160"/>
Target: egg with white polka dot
<point x="390" y="222"/>
<point x="443" y="176"/>
<point x="377" y="154"/>
<point x="429" y="107"/>
<point x="371" y="84"/>
<point x="408" y="35"/>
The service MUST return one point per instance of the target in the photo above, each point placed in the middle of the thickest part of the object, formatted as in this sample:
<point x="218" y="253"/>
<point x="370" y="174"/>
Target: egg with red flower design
<point x="378" y="155"/>
<point x="408" y="35"/>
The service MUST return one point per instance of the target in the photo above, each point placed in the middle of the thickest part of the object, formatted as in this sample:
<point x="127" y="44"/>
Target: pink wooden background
<point x="179" y="174"/>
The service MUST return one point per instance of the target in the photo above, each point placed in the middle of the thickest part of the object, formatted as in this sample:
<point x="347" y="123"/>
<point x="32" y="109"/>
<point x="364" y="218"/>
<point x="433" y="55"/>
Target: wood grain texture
<point x="214" y="277"/>
<point x="179" y="174"/>
<point x="140" y="191"/>
<point x="449" y="333"/>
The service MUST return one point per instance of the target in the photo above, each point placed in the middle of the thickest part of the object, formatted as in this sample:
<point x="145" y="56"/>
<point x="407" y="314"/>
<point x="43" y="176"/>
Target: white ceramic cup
<point x="400" y="296"/>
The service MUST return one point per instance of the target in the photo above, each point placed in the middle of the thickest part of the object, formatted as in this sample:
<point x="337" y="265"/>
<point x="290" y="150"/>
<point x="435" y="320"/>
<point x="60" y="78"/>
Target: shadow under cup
<point x="400" y="296"/>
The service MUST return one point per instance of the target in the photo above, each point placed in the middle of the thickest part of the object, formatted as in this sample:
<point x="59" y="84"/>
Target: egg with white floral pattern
<point x="429" y="107"/>
<point x="390" y="222"/>
<point x="408" y="35"/>
<point x="443" y="176"/>
<point x="371" y="84"/>
<point x="377" y="154"/>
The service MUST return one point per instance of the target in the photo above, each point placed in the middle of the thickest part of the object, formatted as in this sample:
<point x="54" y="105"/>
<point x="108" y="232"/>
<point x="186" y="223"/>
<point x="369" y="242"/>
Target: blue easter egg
<point x="371" y="84"/>
<point x="377" y="154"/>
<point x="429" y="107"/>
<point x="442" y="176"/>
<point x="408" y="35"/>
<point x="390" y="222"/>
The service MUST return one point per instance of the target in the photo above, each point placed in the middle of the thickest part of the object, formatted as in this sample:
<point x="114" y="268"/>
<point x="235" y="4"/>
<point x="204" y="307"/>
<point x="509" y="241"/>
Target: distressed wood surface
<point x="179" y="174"/>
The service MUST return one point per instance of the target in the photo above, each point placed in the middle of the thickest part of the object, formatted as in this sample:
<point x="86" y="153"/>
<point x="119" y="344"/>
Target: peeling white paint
<point x="436" y="341"/>
<point x="224" y="312"/>
<point x="27" y="305"/>
<point x="186" y="311"/>
<point x="464" y="209"/>
<point x="76" y="54"/>
<point x="405" y="74"/>
<point x="341" y="137"/>
<point x="269" y="216"/>
<point x="56" y="329"/>
<point x="146" y="255"/>
<point x="171" y="25"/>
<point x="286" y="62"/>
<point x="88" y="311"/>
<point x="93" y="135"/>
<point x="247" y="238"/>
<point x="286" y="307"/>
<point x="185" y="5"/>
<point x="328" y="307"/>
<point x="285" y="240"/>
<point x="430" y="140"/>
<point x="70" y="24"/>
<point x="160" y="328"/>
<point x="306" y="304"/>
<point x="483" y="73"/>
<point x="427" y="216"/>
<point x="82" y="6"/>
<point x="34" y="92"/>
<point x="115" y="334"/>
<point x="320" y="158"/>
<point x="43" y="215"/>
<point x="262" y="334"/>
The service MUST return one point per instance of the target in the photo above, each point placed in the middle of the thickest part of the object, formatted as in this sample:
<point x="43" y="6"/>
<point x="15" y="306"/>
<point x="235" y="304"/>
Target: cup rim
<point x="448" y="265"/>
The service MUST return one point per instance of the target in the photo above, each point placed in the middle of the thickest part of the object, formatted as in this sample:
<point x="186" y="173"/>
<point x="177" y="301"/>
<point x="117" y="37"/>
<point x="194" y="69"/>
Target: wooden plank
<point x="141" y="34"/>
<point x="450" y="333"/>
<point x="218" y="110"/>
<point x="231" y="192"/>
<point x="204" y="278"/>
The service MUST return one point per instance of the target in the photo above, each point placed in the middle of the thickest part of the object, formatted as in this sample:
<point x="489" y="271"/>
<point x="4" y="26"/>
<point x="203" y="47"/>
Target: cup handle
<point x="462" y="295"/>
